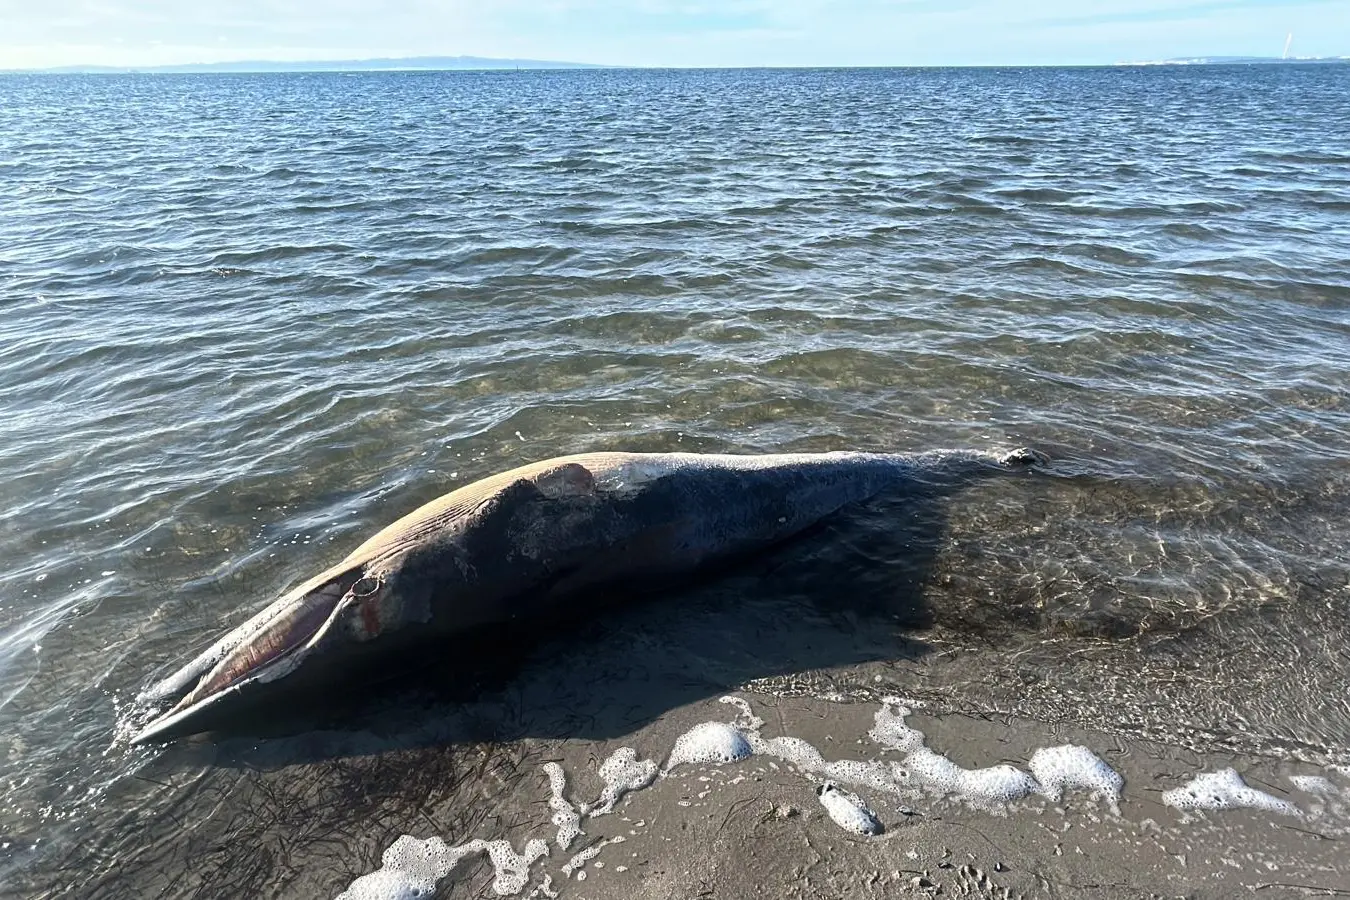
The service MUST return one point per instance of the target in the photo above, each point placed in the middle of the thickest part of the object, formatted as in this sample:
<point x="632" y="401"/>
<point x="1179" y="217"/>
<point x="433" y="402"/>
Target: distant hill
<point x="1240" y="61"/>
<point x="388" y="64"/>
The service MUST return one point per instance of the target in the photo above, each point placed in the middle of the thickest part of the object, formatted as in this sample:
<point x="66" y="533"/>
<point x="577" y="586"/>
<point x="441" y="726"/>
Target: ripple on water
<point x="283" y="310"/>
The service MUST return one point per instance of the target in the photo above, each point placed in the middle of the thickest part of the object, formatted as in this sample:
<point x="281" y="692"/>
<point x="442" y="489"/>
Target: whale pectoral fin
<point x="173" y="686"/>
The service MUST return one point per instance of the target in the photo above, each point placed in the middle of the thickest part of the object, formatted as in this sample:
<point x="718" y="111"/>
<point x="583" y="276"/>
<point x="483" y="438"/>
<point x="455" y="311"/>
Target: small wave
<point x="1108" y="253"/>
<point x="1331" y="159"/>
<point x="1039" y="194"/>
<point x="1016" y="140"/>
<point x="246" y="260"/>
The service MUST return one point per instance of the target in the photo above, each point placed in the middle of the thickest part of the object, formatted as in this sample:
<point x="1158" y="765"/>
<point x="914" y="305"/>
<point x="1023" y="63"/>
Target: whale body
<point x="533" y="542"/>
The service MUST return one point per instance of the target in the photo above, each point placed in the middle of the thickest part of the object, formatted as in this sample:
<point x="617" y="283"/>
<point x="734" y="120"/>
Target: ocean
<point x="250" y="319"/>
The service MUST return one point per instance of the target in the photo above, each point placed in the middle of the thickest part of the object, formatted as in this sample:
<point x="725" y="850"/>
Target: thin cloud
<point x="664" y="32"/>
<point x="1174" y="12"/>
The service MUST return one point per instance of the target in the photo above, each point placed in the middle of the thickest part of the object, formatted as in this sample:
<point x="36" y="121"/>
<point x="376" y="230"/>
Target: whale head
<point x="324" y="627"/>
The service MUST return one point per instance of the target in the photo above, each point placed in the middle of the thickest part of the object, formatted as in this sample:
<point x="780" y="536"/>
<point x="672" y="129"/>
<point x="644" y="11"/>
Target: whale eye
<point x="365" y="587"/>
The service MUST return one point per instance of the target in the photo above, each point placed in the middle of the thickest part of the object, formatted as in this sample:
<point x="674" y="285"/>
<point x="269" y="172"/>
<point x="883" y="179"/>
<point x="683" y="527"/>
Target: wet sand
<point x="750" y="828"/>
<point x="758" y="829"/>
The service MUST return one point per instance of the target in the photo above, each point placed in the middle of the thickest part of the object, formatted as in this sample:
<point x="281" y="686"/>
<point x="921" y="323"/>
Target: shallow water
<point x="249" y="319"/>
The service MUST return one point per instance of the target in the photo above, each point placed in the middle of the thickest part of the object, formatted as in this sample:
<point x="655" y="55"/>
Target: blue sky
<point x="37" y="33"/>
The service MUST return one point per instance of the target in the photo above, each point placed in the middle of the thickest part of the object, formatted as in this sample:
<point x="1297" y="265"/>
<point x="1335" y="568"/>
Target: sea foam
<point x="410" y="868"/>
<point x="1074" y="768"/>
<point x="1225" y="789"/>
<point x="565" y="816"/>
<point x="622" y="772"/>
<point x="710" y="742"/>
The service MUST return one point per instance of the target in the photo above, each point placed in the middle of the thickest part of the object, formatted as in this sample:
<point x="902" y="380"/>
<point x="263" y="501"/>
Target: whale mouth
<point x="264" y="649"/>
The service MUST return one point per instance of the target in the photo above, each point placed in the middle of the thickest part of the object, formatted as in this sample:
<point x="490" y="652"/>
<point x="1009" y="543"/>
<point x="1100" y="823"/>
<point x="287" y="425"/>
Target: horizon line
<point x="489" y="64"/>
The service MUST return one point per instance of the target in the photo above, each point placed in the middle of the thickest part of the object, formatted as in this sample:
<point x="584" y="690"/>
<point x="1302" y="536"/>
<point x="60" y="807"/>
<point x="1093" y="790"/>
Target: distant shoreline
<point x="381" y="64"/>
<point x="485" y="64"/>
<point x="1240" y="61"/>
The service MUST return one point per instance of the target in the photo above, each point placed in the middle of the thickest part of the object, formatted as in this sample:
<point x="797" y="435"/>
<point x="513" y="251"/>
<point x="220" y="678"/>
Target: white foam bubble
<point x="891" y="730"/>
<point x="807" y="759"/>
<point x="1072" y="767"/>
<point x="512" y="869"/>
<point x="388" y="884"/>
<point x="792" y="750"/>
<point x="709" y="742"/>
<point x="565" y="815"/>
<point x="622" y="772"/>
<point x="988" y="788"/>
<point x="848" y="810"/>
<point x="1314" y="784"/>
<point x="1225" y="789"/>
<point x="580" y="859"/>
<point x="411" y="867"/>
<point x="922" y="767"/>
<point x="585" y="856"/>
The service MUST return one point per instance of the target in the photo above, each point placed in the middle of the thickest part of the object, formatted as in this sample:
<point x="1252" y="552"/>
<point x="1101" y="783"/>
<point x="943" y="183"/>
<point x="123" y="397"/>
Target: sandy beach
<point x="308" y="815"/>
